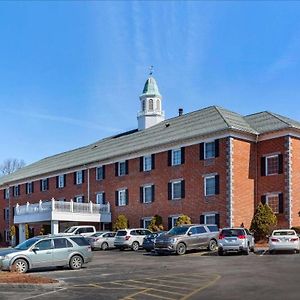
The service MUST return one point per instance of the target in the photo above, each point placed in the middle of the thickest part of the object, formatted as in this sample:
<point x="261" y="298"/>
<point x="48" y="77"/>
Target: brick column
<point x="229" y="182"/>
<point x="288" y="168"/>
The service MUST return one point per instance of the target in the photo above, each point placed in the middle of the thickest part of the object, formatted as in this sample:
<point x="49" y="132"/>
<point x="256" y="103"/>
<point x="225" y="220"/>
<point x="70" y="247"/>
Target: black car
<point x="148" y="243"/>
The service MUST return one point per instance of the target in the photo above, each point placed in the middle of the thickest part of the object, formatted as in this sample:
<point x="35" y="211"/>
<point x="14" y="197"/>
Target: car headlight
<point x="173" y="240"/>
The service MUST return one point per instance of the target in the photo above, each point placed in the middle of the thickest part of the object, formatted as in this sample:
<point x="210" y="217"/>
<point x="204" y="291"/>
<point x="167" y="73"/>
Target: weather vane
<point x="151" y="70"/>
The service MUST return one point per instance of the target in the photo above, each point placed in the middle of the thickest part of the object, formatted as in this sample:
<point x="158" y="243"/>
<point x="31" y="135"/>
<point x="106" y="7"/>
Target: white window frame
<point x="146" y="220"/>
<point x="147" y="163"/>
<point x="119" y="168"/>
<point x="205" y="184"/>
<point x="7" y="235"/>
<point x="79" y="177"/>
<point x="266" y="167"/>
<point x="45" y="186"/>
<point x="16" y="190"/>
<point x="29" y="188"/>
<point x="272" y="195"/>
<point x="7" y="194"/>
<point x="172" y="189"/>
<point x="144" y="193"/>
<point x="173" y="162"/>
<point x="174" y="220"/>
<point x="209" y="215"/>
<point x="98" y="196"/>
<point x="122" y="200"/>
<point x="205" y="145"/>
<point x="79" y="199"/>
<point x="98" y="178"/>
<point x="61" y="181"/>
<point x="6" y="213"/>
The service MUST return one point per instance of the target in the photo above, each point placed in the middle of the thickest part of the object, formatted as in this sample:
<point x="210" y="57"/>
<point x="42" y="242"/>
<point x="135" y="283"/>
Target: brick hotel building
<point x="213" y="165"/>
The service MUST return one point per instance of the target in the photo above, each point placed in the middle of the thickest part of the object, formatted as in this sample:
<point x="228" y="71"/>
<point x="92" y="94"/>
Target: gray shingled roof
<point x="195" y="124"/>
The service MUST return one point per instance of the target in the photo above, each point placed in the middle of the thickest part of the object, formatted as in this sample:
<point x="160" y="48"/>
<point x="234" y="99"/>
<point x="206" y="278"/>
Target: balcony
<point x="54" y="210"/>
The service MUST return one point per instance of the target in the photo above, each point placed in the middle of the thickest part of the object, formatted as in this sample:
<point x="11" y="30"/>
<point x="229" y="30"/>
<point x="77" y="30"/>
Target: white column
<point x="54" y="227"/>
<point x="22" y="236"/>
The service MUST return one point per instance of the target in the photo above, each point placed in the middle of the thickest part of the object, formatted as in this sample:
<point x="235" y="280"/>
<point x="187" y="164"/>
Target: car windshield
<point x="97" y="234"/>
<point x="121" y="233"/>
<point x="178" y="230"/>
<point x="27" y="244"/>
<point x="232" y="232"/>
<point x="70" y="230"/>
<point x="277" y="233"/>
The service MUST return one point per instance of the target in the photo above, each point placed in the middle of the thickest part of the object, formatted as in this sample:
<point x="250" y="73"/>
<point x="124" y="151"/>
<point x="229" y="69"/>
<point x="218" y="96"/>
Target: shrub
<point x="156" y="224"/>
<point x="183" y="219"/>
<point x="263" y="222"/>
<point x="121" y="223"/>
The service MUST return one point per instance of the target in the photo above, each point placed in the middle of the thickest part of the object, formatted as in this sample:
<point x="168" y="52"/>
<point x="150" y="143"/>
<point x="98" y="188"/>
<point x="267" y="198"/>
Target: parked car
<point x="187" y="237"/>
<point x="47" y="251"/>
<point x="102" y="240"/>
<point x="130" y="238"/>
<point x="148" y="243"/>
<point x="84" y="230"/>
<point x="284" y="239"/>
<point x="235" y="240"/>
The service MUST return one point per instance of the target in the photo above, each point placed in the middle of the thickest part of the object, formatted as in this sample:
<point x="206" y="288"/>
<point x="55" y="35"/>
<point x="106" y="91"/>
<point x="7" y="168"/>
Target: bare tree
<point x="11" y="165"/>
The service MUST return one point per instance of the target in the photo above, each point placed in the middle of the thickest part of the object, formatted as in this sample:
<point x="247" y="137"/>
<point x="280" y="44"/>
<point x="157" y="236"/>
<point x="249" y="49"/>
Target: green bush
<point x="121" y="223"/>
<point x="183" y="219"/>
<point x="263" y="222"/>
<point x="156" y="224"/>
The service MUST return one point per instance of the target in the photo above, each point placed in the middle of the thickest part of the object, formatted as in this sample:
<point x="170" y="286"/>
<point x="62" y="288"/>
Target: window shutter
<point x="26" y="188"/>
<point x="32" y="186"/>
<point x="47" y="183"/>
<point x="103" y="198"/>
<point x="169" y="157"/>
<point x="126" y="167"/>
<point x="65" y="180"/>
<point x="280" y="164"/>
<point x="141" y="223"/>
<point x="263" y="199"/>
<point x="4" y="214"/>
<point x="82" y="199"/>
<point x="4" y="194"/>
<point x="201" y="148"/>
<point x="153" y="192"/>
<point x="280" y="203"/>
<point x="13" y="211"/>
<point x="202" y="219"/>
<point x="74" y="177"/>
<point x="83" y="176"/>
<point x="117" y="198"/>
<point x="263" y="166"/>
<point x="127" y="196"/>
<point x="169" y="223"/>
<point x="57" y="181"/>
<point x="217" y="218"/>
<point x="141" y="164"/>
<point x="116" y="169"/>
<point x="217" y="148"/>
<point x="182" y="188"/>
<point x="152" y="161"/>
<point x="169" y="190"/>
<point x="103" y="172"/>
<point x="41" y="185"/>
<point x="141" y="194"/>
<point x="217" y="184"/>
<point x="182" y="155"/>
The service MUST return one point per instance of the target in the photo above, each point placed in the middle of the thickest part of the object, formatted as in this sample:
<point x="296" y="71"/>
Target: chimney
<point x="180" y="111"/>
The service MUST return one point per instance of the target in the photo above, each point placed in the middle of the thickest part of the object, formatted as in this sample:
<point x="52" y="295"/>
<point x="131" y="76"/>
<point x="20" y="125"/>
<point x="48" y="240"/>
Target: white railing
<point x="62" y="206"/>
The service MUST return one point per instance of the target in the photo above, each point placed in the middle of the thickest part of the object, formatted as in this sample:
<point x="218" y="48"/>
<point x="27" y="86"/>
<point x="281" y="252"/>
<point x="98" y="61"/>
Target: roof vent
<point x="167" y="124"/>
<point x="180" y="111"/>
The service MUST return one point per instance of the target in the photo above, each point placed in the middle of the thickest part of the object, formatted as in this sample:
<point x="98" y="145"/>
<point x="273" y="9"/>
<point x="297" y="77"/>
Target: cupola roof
<point x="151" y="88"/>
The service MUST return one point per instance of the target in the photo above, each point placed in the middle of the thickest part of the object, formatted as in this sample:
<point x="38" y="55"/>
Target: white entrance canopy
<point x="55" y="211"/>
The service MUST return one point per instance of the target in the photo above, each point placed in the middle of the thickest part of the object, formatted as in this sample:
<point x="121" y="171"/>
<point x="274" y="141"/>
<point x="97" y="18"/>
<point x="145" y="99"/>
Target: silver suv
<point x="130" y="238"/>
<point x="187" y="237"/>
<point x="235" y="240"/>
<point x="47" y="251"/>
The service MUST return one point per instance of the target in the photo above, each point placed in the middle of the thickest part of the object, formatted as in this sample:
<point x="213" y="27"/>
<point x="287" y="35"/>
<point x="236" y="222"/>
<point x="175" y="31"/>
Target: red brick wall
<point x="295" y="182"/>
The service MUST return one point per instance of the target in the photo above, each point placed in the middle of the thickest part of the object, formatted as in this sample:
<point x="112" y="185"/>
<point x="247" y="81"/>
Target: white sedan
<point x="284" y="239"/>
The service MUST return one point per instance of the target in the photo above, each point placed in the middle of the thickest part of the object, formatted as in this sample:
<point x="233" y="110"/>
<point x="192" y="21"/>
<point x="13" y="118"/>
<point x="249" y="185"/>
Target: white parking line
<point x="44" y="294"/>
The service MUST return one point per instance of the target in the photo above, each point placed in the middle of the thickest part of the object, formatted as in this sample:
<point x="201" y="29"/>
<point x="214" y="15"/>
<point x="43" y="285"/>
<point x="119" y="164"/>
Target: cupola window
<point x="151" y="104"/>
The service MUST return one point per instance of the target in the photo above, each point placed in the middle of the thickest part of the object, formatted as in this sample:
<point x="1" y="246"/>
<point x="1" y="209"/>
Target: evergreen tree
<point x="121" y="223"/>
<point x="263" y="222"/>
<point x="183" y="219"/>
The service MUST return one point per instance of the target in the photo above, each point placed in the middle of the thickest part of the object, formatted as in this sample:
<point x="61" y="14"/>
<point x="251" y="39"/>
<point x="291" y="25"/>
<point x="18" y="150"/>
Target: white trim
<point x="209" y="177"/>
<point x="59" y="181"/>
<point x="144" y="193"/>
<point x="119" y="167"/>
<point x="172" y="189"/>
<point x="144" y="163"/>
<point x="96" y="171"/>
<point x="119" y="198"/>
<point x="272" y="195"/>
<point x="205" y="144"/>
<point x="146" y="219"/>
<point x="103" y="200"/>
<point x="172" y="156"/>
<point x="266" y="166"/>
<point x="209" y="215"/>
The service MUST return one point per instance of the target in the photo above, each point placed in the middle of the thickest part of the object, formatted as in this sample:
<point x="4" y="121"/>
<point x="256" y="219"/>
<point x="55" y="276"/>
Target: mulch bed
<point x="13" y="277"/>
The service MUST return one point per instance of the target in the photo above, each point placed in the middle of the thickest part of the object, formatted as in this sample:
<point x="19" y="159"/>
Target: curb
<point x="58" y="284"/>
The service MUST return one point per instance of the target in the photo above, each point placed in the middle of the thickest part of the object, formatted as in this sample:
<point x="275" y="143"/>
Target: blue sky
<point x="71" y="72"/>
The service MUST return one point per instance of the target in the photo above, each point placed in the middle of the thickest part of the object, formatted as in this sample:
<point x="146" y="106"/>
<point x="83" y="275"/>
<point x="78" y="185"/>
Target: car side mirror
<point x="189" y="233"/>
<point x="35" y="248"/>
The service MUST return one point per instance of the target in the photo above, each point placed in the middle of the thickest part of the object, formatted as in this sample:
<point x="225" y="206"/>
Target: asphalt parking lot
<point x="138" y="275"/>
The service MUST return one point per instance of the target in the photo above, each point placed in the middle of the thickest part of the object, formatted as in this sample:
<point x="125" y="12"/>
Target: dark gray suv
<point x="187" y="237"/>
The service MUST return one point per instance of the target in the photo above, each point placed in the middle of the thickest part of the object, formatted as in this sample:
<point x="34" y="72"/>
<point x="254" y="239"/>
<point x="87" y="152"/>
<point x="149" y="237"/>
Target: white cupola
<point x="151" y="112"/>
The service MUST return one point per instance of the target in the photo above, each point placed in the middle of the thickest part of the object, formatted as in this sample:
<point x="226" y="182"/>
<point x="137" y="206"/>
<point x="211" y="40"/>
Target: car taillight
<point x="241" y="237"/>
<point x="294" y="240"/>
<point x="274" y="240"/>
<point x="127" y="237"/>
<point x="221" y="236"/>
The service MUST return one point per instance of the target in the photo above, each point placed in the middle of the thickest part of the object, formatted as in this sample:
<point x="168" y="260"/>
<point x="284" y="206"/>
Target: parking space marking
<point x="179" y="282"/>
<point x="158" y="296"/>
<point x="163" y="285"/>
<point x="45" y="294"/>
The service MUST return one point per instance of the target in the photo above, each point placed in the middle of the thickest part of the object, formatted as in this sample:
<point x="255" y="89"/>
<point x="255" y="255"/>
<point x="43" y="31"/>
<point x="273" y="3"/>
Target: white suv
<point x="83" y="230"/>
<point x="130" y="238"/>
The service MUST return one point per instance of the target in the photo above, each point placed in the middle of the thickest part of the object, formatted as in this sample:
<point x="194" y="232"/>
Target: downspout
<point x="88" y="184"/>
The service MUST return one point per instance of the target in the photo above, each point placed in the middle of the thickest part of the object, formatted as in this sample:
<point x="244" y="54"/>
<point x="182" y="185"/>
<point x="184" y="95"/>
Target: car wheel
<point x="20" y="266"/>
<point x="271" y="252"/>
<point x="246" y="251"/>
<point x="121" y="249"/>
<point x="221" y="252"/>
<point x="181" y="249"/>
<point x="76" y="262"/>
<point x="135" y="246"/>
<point x="212" y="246"/>
<point x="104" y="246"/>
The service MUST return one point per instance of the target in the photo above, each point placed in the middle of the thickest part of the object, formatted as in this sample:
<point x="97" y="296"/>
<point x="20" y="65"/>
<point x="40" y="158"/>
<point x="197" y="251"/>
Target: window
<point x="16" y="191"/>
<point x="6" y="213"/>
<point x="79" y="177"/>
<point x="146" y="222"/>
<point x="79" y="199"/>
<point x="272" y="165"/>
<point x="122" y="197"/>
<point x="200" y="229"/>
<point x="148" y="193"/>
<point x="29" y="187"/>
<point x="6" y="193"/>
<point x="172" y="221"/>
<point x="273" y="201"/>
<point x="151" y="104"/>
<point x="158" y="105"/>
<point x="61" y="181"/>
<point x="143" y="105"/>
<point x="176" y="190"/>
<point x="80" y="241"/>
<point x="100" y="198"/>
<point x="147" y="163"/>
<point x="44" y="245"/>
<point x="100" y="173"/>
<point x="44" y="184"/>
<point x="61" y="243"/>
<point x="176" y="157"/>
<point x="209" y="150"/>
<point x="210" y="219"/>
<point x="7" y="235"/>
<point x="211" y="185"/>
<point x="122" y="168"/>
